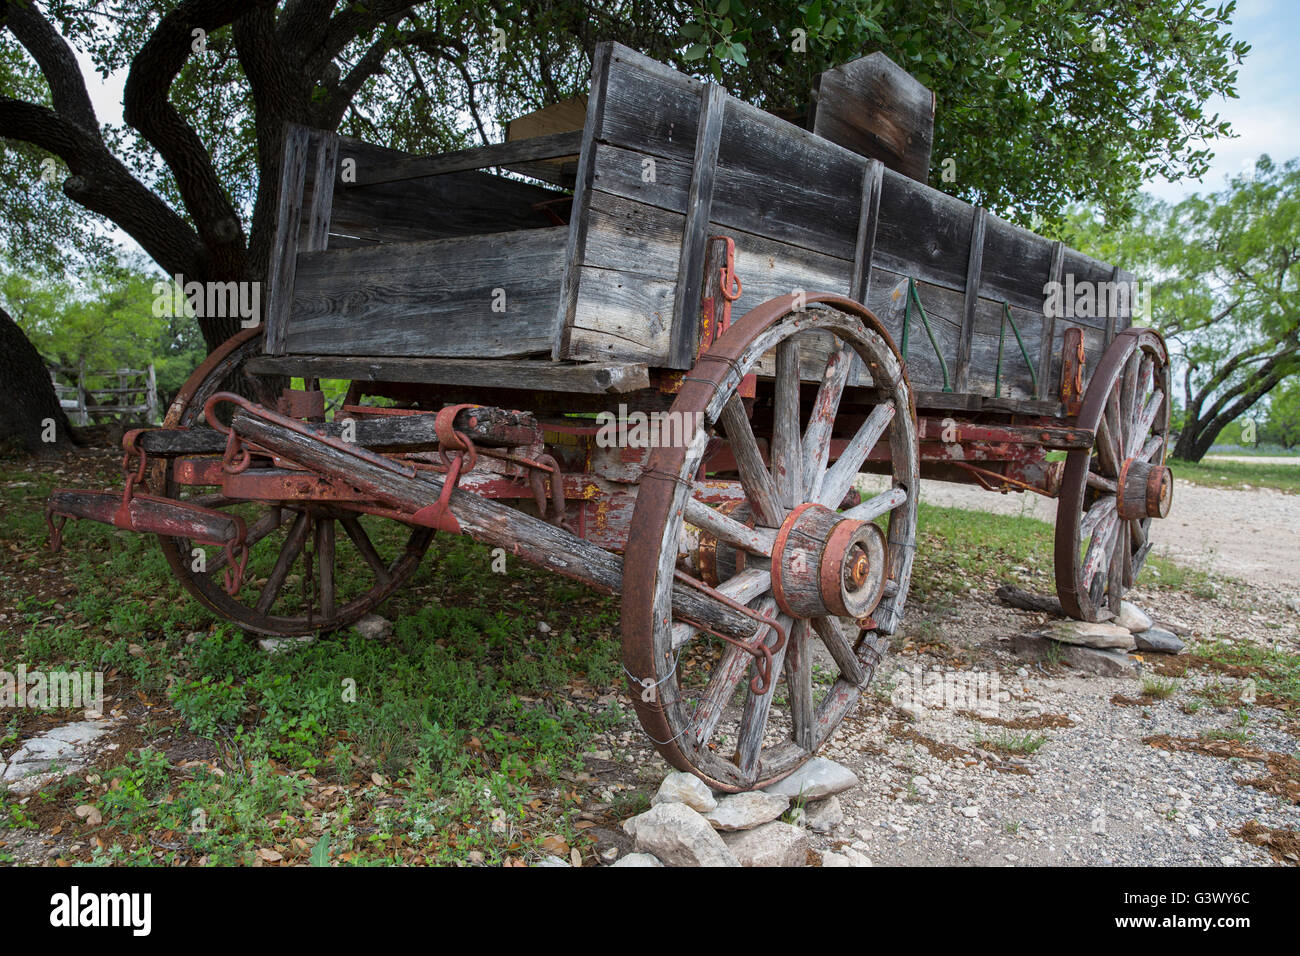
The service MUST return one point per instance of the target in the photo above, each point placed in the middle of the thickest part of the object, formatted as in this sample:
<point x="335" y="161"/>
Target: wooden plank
<point x="554" y="146"/>
<point x="565" y="116"/>
<point x="1048" y="377"/>
<point x="591" y="378"/>
<point x="284" y="251"/>
<point x="961" y="376"/>
<point x="875" y="107"/>
<point x="474" y="296"/>
<point x="690" y="271"/>
<point x="868" y="217"/>
<point x="322" y="193"/>
<point x="923" y="233"/>
<point x="575" y="248"/>
<point x="455" y="204"/>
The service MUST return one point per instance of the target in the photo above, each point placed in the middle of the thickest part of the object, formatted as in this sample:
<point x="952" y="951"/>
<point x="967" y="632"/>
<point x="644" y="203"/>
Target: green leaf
<point x="695" y="51"/>
<point x="320" y="853"/>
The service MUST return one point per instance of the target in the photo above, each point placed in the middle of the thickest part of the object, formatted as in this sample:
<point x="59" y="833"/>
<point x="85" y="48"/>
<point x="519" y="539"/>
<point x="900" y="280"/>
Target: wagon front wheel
<point x="751" y="508"/>
<point x="1111" y="492"/>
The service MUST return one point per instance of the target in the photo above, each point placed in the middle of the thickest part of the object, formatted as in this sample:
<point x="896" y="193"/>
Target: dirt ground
<point x="1253" y="536"/>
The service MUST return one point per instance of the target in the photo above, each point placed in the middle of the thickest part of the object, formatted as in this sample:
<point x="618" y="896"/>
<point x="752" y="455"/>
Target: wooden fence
<point x="133" y="400"/>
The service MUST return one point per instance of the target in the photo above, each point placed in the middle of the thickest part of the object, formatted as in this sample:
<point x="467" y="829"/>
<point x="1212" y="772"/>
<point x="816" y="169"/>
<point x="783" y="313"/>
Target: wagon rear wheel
<point x="311" y="567"/>
<point x="1111" y="492"/>
<point x="782" y="549"/>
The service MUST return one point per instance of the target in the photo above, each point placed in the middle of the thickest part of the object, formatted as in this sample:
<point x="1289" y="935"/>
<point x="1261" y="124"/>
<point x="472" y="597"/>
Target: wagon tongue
<point x="150" y="514"/>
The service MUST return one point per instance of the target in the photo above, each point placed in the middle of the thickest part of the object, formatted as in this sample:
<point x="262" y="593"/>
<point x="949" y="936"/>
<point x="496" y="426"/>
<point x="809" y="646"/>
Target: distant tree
<point x="1224" y="275"/>
<point x="1283" y="424"/>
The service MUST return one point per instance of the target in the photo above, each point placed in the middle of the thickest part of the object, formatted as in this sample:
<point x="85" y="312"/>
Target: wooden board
<point x="876" y="108"/>
<point x="436" y="298"/>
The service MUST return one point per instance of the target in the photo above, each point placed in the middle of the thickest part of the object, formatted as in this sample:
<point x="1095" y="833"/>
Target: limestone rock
<point x="1159" y="640"/>
<point x="373" y="627"/>
<point x="679" y="836"/>
<point x="1090" y="660"/>
<point x="638" y="859"/>
<point x="1088" y="634"/>
<point x="824" y="815"/>
<point x="816" y="779"/>
<point x="68" y="748"/>
<point x="1132" y="617"/>
<point x="744" y="811"/>
<point x="772" y="844"/>
<point x="685" y="788"/>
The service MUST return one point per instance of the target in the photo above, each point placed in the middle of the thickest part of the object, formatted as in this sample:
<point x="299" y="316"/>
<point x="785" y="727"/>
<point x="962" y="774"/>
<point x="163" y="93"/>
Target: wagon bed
<point x="400" y="257"/>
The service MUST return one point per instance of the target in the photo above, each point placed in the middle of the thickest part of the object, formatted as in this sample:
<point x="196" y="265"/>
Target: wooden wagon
<point x="701" y="359"/>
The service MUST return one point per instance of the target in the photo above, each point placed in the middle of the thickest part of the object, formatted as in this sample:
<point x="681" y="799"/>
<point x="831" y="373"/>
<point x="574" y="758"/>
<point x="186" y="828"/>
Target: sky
<point x="1265" y="114"/>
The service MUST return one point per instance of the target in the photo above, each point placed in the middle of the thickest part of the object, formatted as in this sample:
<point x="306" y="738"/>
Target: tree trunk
<point x="30" y="417"/>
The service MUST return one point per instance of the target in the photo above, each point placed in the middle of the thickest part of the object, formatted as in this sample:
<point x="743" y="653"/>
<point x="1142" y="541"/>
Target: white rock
<point x="772" y="844"/>
<point x="638" y="859"/>
<point x="552" y="860"/>
<point x="1133" y="617"/>
<point x="685" y="788"/>
<point x="679" y="836"/>
<point x="817" y="778"/>
<point x="373" y="627"/>
<point x="1193" y="831"/>
<point x="744" y="811"/>
<point x="970" y="812"/>
<point x="54" y="754"/>
<point x="1088" y="634"/>
<point x="824" y="815"/>
<point x="846" y="857"/>
<point x="832" y="859"/>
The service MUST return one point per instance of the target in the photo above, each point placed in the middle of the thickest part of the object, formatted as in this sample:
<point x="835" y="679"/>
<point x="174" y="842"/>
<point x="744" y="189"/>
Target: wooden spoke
<point x="1108" y="456"/>
<point x="839" y="479"/>
<point x="1145" y="419"/>
<point x="1102" y="483"/>
<point x="798" y="678"/>
<point x="759" y="488"/>
<point x="878" y="505"/>
<point x="288" y="555"/>
<point x="753" y="719"/>
<point x="841" y="652"/>
<point x="1098" y="554"/>
<point x="728" y="529"/>
<point x="1154" y="445"/>
<point x="1100" y="509"/>
<point x="325" y="563"/>
<point x="362" y="540"/>
<point x="817" y="436"/>
<point x="722" y="685"/>
<point x="787" y="446"/>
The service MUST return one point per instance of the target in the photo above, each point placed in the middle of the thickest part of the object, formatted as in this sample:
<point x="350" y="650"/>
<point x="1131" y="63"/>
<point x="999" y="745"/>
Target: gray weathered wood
<point x="961" y="375"/>
<point x="284" y="250"/>
<point x="553" y="146"/>
<point x="876" y="108"/>
<point x="699" y="201"/>
<point x="589" y="378"/>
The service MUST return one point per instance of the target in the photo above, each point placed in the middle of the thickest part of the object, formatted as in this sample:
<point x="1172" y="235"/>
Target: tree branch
<point x="58" y="65"/>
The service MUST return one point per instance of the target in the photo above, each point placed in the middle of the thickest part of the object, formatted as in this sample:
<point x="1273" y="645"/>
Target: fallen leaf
<point x="90" y="813"/>
<point x="556" y="845"/>
<point x="269" y="855"/>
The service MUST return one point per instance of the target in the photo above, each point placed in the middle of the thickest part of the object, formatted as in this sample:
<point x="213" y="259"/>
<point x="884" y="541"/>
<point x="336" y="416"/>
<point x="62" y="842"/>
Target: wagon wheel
<point x="1110" y="492"/>
<point x="830" y="568"/>
<point x="293" y="540"/>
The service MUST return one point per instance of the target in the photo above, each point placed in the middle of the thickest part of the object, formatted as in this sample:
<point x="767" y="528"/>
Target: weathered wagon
<point x="512" y="349"/>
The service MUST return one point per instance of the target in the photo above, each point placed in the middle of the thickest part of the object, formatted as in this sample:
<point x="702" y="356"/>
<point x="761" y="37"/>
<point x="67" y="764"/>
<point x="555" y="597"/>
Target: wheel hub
<point x="1145" y="490"/>
<point x="825" y="565"/>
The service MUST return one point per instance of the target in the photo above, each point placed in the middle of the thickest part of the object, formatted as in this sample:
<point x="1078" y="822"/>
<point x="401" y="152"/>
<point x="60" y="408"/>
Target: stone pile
<point x="690" y="825"/>
<point x="1101" y="648"/>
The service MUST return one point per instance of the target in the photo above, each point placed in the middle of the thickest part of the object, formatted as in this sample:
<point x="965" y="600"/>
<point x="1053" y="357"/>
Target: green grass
<point x="1237" y="475"/>
<point x="1274" y="672"/>
<point x="1160" y="688"/>
<point x="1009" y="743"/>
<point x="437" y="741"/>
